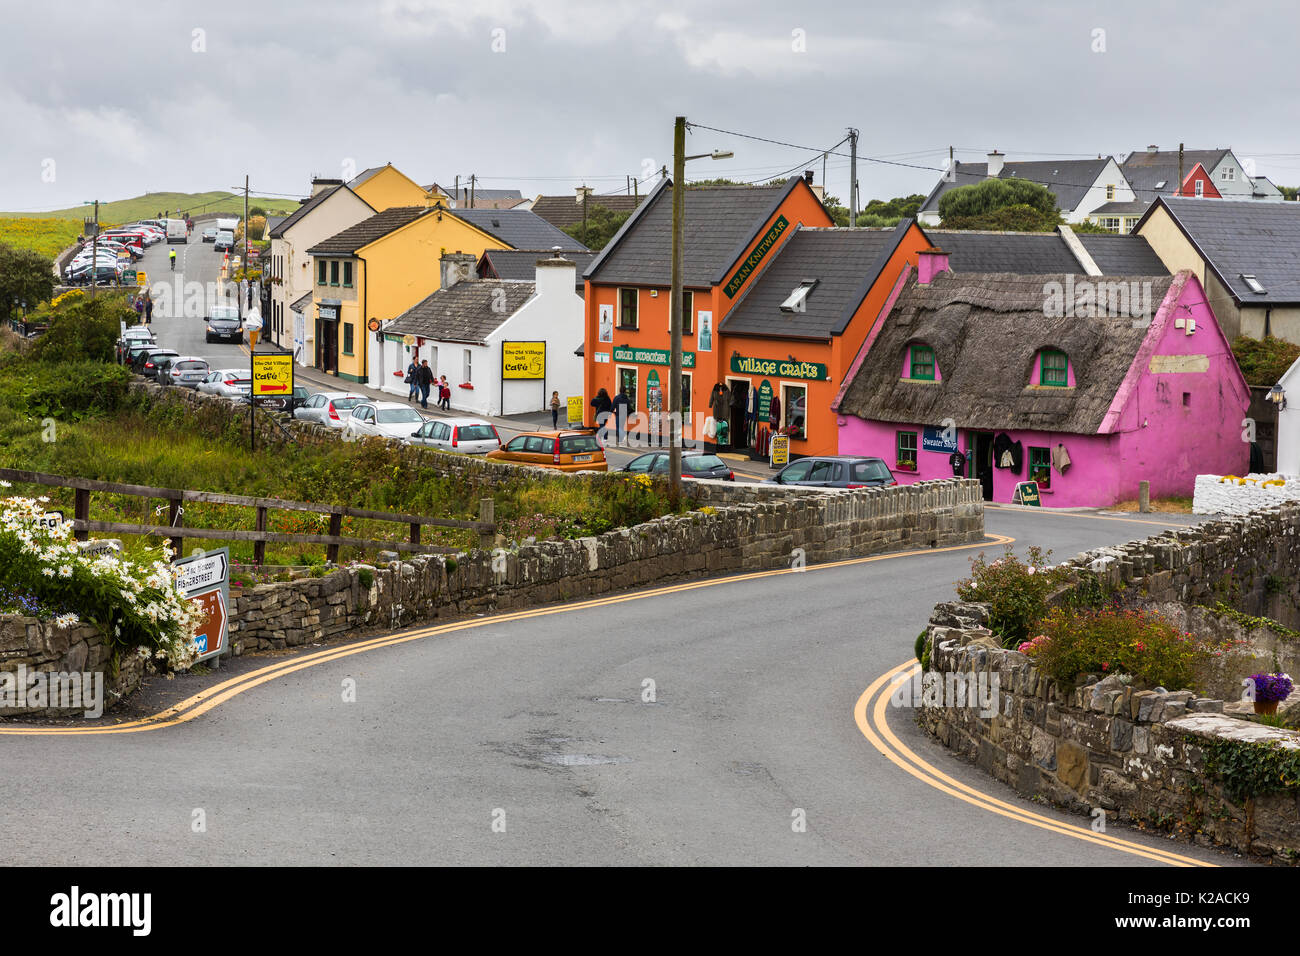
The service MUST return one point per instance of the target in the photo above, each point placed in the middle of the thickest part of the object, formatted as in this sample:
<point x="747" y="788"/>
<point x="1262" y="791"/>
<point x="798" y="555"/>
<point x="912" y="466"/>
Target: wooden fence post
<point x="336" y="528"/>
<point x="415" y="532"/>
<point x="259" y="546"/>
<point x="81" y="511"/>
<point x="487" y="512"/>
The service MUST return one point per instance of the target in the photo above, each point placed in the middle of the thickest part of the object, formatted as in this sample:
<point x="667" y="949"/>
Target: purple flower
<point x="1270" y="687"/>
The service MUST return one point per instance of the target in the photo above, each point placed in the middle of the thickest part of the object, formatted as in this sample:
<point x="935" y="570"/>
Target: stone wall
<point x="1139" y="755"/>
<point x="36" y="646"/>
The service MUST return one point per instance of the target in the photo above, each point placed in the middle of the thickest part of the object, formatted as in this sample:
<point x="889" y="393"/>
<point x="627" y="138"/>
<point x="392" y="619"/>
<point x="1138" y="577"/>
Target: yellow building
<point x="374" y="271"/>
<point x="386" y="186"/>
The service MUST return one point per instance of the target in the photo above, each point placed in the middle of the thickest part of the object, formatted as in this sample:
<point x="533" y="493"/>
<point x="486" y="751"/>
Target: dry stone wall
<point x="29" y="647"/>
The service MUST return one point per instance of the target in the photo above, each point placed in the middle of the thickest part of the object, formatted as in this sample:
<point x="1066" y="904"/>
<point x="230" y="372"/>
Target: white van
<point x="227" y="225"/>
<point x="177" y="231"/>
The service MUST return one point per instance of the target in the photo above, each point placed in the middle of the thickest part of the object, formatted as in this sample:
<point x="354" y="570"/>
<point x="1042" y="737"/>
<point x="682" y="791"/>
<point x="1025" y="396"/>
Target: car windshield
<point x="702" y="462"/>
<point x="224" y="313"/>
<point x="475" y="433"/>
<point x="397" y="416"/>
<point x="578" y="444"/>
<point x="191" y="366"/>
<point x="871" y="471"/>
<point x="343" y="404"/>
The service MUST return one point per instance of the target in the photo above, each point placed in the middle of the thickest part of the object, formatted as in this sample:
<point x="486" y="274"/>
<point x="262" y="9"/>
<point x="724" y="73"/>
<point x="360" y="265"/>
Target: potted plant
<point x="906" y="464"/>
<point x="1270" y="690"/>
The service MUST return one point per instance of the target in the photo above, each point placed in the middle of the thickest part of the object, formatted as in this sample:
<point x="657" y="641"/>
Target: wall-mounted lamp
<point x="1277" y="396"/>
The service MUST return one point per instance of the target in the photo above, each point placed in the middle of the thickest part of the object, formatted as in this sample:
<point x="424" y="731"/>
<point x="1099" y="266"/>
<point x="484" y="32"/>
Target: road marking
<point x="209" y="698"/>
<point x="1080" y="514"/>
<point x="875" y="727"/>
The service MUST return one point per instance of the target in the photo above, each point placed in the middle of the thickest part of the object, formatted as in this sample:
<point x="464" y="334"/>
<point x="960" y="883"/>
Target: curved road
<point x="526" y="740"/>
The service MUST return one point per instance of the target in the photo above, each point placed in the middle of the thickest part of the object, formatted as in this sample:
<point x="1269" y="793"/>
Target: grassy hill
<point x="49" y="232"/>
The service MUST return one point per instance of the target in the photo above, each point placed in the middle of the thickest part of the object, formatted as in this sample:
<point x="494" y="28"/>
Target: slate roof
<point x="845" y="264"/>
<point x="1120" y="208"/>
<point x="300" y="303"/>
<point x="1068" y="179"/>
<point x="348" y="241"/>
<point x="362" y="176"/>
<point x="468" y="312"/>
<point x="1026" y="253"/>
<point x="1146" y="179"/>
<point x="719" y="222"/>
<point x="986" y="331"/>
<point x="561" y="211"/>
<point x="1122" y="255"/>
<point x="522" y="264"/>
<point x="301" y="212"/>
<point x="521" y="228"/>
<point x="1209" y="158"/>
<point x="1247" y="236"/>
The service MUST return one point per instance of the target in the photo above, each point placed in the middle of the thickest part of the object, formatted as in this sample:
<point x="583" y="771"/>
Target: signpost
<point x="522" y="361"/>
<point x="1027" y="494"/>
<point x="272" y="377"/>
<point x="141" y="279"/>
<point x="779" y="451"/>
<point x="574" y="403"/>
<point x="205" y="580"/>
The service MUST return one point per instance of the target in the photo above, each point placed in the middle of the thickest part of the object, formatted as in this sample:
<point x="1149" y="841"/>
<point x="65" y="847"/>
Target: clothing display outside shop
<point x="1007" y="453"/>
<point x="1060" y="458"/>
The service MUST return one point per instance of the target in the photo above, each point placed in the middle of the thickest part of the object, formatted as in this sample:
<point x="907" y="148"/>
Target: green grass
<point x="48" y="237"/>
<point x="150" y="204"/>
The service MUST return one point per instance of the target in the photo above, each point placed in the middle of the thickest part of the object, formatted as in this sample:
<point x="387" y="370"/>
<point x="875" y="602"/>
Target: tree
<point x="600" y="226"/>
<point x="988" y="196"/>
<point x="256" y="211"/>
<point x="26" y="276"/>
<point x="900" y="207"/>
<point x="1020" y="217"/>
<point x="1289" y="192"/>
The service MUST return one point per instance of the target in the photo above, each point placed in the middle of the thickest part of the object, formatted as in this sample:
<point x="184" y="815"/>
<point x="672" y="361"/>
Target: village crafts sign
<point x="754" y="258"/>
<point x="781" y="368"/>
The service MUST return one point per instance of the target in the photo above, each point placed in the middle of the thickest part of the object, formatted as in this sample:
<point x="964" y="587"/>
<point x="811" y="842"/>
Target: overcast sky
<point x="110" y="100"/>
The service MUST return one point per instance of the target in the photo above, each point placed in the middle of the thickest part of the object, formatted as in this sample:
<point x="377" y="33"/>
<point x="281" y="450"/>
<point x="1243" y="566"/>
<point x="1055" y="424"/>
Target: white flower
<point x="48" y="572"/>
<point x="1031" y="569"/>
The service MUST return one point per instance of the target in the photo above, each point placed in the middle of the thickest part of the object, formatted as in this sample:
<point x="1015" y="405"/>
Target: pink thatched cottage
<point x="1085" y="384"/>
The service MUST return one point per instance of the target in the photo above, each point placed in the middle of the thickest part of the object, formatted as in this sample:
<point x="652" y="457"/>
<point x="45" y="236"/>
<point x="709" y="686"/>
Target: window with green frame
<point x="347" y="338"/>
<point x="1040" y="466"/>
<point x="320" y="272"/>
<point x="905" y="446"/>
<point x="334" y="272"/>
<point x="347" y="274"/>
<point x="1055" y="369"/>
<point x="922" y="363"/>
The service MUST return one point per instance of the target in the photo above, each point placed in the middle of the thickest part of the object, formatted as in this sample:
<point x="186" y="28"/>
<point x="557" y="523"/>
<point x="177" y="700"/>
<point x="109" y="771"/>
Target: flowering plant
<point x="133" y="604"/>
<point x="1272" y="687"/>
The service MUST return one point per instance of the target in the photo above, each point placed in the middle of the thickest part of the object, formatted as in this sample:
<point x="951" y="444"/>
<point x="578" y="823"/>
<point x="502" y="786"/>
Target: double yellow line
<point x="870" y="713"/>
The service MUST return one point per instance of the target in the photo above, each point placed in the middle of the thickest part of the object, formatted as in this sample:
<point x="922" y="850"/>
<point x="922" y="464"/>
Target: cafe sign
<point x="753" y="260"/>
<point x="779" y="368"/>
<point x="627" y="353"/>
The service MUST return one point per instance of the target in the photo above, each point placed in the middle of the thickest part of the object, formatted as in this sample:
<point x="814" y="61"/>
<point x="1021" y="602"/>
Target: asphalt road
<point x="539" y="723"/>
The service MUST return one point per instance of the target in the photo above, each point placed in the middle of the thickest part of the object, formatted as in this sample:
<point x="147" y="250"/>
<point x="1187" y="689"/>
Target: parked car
<point x="284" y="403"/>
<point x="835" y="471"/>
<point x="472" y="436"/>
<point x="563" y="450"/>
<point x="105" y="273"/>
<point x="693" y="466"/>
<point x="135" y="335"/>
<point x="210" y="234"/>
<point x="187" y="370"/>
<point x="224" y="241"/>
<point x="328" y="408"/>
<point x="224" y="324"/>
<point x="177" y="231"/>
<point x="233" y="383"/>
<point x="153" y="361"/>
<point x="382" y="420"/>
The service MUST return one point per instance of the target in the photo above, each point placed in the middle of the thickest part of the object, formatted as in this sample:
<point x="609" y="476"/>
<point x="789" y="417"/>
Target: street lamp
<point x="675" y="313"/>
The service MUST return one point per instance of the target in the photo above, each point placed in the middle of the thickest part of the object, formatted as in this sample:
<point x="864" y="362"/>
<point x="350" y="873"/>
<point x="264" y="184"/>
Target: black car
<point x="210" y="234"/>
<point x="279" y="403"/>
<point x="154" y="362"/>
<point x="224" y="324"/>
<point x="835" y="471"/>
<point x="693" y="466"/>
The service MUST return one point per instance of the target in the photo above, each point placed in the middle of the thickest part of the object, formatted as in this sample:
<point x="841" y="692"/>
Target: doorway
<point x="981" y="461"/>
<point x="737" y="421"/>
<point x="327" y="346"/>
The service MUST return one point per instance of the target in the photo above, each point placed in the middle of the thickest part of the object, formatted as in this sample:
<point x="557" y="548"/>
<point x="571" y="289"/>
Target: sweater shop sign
<point x="752" y="260"/>
<point x="627" y="353"/>
<point x="939" y="439"/>
<point x="779" y="368"/>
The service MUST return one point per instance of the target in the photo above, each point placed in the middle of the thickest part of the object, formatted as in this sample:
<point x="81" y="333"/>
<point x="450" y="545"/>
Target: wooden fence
<point x="176" y="499"/>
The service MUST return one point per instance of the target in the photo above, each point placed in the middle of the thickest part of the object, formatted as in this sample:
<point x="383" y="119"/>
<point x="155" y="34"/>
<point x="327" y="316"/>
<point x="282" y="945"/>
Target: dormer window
<point x="921" y="364"/>
<point x="796" y="301"/>
<point x="1055" y="369"/>
<point x="1252" y="283"/>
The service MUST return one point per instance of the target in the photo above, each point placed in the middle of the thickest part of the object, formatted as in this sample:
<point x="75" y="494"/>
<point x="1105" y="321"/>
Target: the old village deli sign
<point x="782" y="368"/>
<point x="754" y="258"/>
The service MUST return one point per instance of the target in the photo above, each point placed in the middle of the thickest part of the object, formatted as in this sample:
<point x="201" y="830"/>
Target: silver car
<point x="472" y="436"/>
<point x="230" y="383"/>
<point x="188" y="370"/>
<point x="382" y="420"/>
<point x="328" y="408"/>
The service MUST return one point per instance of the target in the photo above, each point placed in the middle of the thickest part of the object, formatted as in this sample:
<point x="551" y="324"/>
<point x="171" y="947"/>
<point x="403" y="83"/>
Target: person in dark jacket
<point x="413" y="379"/>
<point x="601" y="406"/>
<point x="620" y="407"/>
<point x="426" y="382"/>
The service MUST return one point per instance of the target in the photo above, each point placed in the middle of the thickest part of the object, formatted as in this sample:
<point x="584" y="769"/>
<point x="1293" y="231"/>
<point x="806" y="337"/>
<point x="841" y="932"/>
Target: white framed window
<point x="794" y="409"/>
<point x="1110" y="193"/>
<point x="1229" y="173"/>
<point x="468" y="363"/>
<point x="1200" y="187"/>
<point x="1109" y="223"/>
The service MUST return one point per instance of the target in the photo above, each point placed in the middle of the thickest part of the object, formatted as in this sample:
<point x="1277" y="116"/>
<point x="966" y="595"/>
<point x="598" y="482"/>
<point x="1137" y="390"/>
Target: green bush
<point x="1016" y="591"/>
<point x="1263" y="361"/>
<point x="83" y="330"/>
<point x="990" y="195"/>
<point x="62" y="389"/>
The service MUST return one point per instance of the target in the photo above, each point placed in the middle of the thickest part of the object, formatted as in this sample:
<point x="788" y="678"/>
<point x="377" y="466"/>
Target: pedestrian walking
<point x="426" y="382"/>
<point x="413" y="379"/>
<point x="555" y="409"/>
<point x="601" y="406"/>
<point x="139" y="308"/>
<point x="444" y="394"/>
<point x="148" y="309"/>
<point x="621" y="406"/>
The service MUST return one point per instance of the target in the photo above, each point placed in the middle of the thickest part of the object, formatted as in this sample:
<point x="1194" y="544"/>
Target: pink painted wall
<point x="1148" y="433"/>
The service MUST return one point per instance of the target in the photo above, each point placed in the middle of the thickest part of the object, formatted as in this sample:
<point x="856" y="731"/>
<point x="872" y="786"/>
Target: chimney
<point x="583" y="192"/>
<point x="1152" y="149"/>
<point x="556" y="276"/>
<point x="455" y="267"/>
<point x="995" y="164"/>
<point x="319" y="185"/>
<point x="930" y="263"/>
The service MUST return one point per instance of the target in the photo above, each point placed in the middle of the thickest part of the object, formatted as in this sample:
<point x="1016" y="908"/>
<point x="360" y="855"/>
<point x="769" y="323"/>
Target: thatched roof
<point x="986" y="330"/>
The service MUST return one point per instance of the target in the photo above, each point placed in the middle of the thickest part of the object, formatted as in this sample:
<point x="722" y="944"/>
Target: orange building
<point x="778" y="303"/>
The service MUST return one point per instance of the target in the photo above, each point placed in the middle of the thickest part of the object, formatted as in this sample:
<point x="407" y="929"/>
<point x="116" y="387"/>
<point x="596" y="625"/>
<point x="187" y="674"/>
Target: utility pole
<point x="1179" y="191"/>
<point x="473" y="179"/>
<point x="675" y="319"/>
<point x="853" y="178"/>
<point x="247" y="231"/>
<point x="456" y="192"/>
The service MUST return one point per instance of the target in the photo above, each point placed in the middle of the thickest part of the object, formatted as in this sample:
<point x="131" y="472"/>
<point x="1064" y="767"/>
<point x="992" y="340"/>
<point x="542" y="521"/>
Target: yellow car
<point x="558" y="450"/>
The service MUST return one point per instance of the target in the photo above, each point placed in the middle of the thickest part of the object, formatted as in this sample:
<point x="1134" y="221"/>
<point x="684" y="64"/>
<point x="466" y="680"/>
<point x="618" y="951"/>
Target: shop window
<point x="347" y="274"/>
<point x="468" y="366"/>
<point x="320" y="272"/>
<point x="627" y="382"/>
<point x="688" y="312"/>
<point x="334" y="272"/>
<point x="1040" y="466"/>
<point x="1055" y="369"/>
<point x="921" y="363"/>
<point x="794" y="408"/>
<point x="347" y="338"/>
<point x="627" y="302"/>
<point x="905" y="451"/>
<point x="686" y="397"/>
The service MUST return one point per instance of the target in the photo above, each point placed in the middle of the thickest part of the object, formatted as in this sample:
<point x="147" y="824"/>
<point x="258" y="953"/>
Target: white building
<point x="1288" y="422"/>
<point x="504" y="345"/>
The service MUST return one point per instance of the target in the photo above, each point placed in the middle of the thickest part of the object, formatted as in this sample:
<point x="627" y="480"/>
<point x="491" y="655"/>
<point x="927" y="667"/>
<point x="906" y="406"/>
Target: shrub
<point x="1016" y="591"/>
<point x="366" y="577"/>
<point x="1263" y="361"/>
<point x="1144" y="644"/>
<point x="919" y="647"/>
<point x="82" y="330"/>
